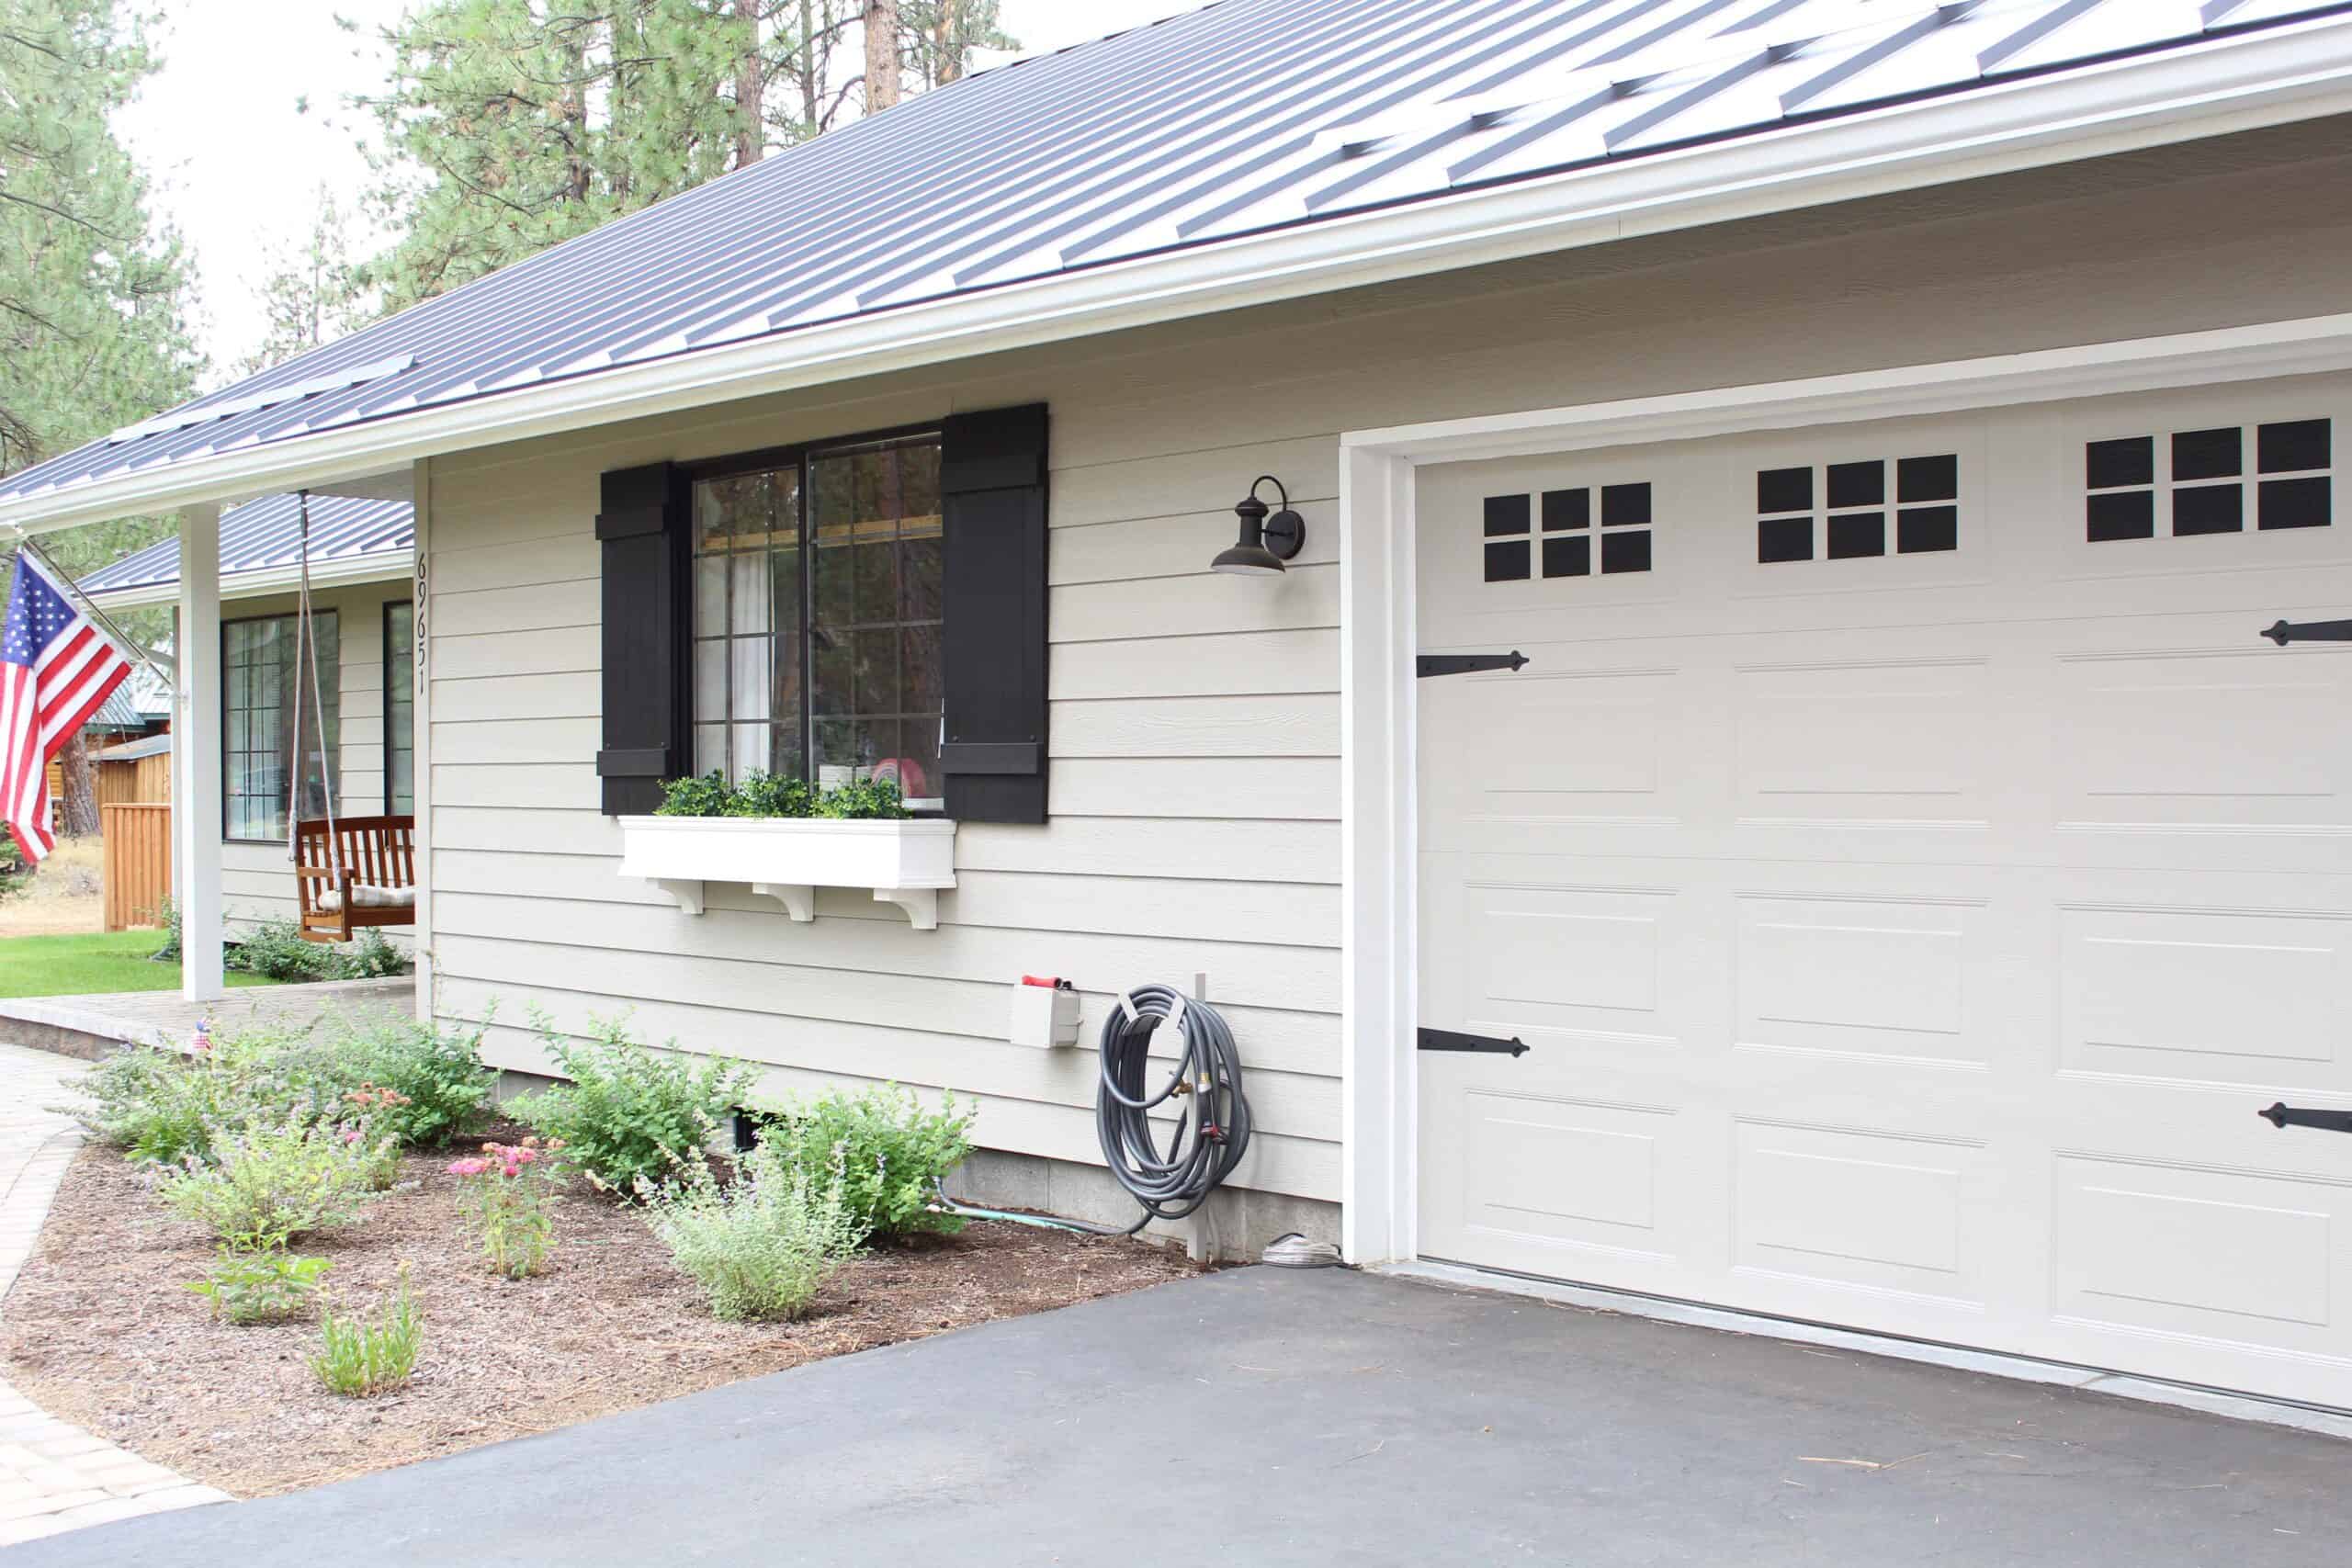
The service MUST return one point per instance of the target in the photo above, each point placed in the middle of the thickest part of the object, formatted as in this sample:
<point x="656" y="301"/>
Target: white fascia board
<point x="2239" y="82"/>
<point x="376" y="567"/>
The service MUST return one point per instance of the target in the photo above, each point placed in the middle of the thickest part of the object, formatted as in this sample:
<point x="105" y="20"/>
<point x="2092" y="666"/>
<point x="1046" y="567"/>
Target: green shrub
<point x="891" y="1153"/>
<point x="868" y="800"/>
<point x="409" y="1082"/>
<point x="358" y="1357"/>
<point x="772" y="795"/>
<point x="630" y="1114"/>
<point x="705" y="794"/>
<point x="260" y="1287"/>
<point x="438" y="1075"/>
<point x="768" y="795"/>
<point x="169" y="1108"/>
<point x="761" y="1244"/>
<point x="275" y="951"/>
<point x="369" y="958"/>
<point x="168" y="911"/>
<point x="268" y="1185"/>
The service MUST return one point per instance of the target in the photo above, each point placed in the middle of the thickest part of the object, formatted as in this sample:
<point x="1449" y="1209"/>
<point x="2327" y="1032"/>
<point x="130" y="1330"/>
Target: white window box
<point x="788" y="858"/>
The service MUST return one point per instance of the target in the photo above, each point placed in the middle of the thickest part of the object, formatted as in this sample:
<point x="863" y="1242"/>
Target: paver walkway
<point x="53" y="1475"/>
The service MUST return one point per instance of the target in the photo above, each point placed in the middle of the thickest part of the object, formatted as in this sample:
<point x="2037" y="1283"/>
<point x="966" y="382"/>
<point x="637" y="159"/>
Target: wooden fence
<point x="138" y="862"/>
<point x="140" y="779"/>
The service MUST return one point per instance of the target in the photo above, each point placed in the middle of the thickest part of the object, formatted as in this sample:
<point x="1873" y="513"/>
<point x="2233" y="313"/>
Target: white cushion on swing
<point x="369" y="896"/>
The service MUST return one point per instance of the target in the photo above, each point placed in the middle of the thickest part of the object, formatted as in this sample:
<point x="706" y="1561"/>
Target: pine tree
<point x="942" y="33"/>
<point x="92" y="288"/>
<point x="512" y="125"/>
<point x="312" y="296"/>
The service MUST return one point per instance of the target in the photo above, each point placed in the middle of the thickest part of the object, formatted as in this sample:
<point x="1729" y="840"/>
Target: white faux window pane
<point x="750" y="748"/>
<point x="710" y="596"/>
<point x="710" y="747"/>
<point x="750" y="699"/>
<point x="748" y="594"/>
<point x="710" y="680"/>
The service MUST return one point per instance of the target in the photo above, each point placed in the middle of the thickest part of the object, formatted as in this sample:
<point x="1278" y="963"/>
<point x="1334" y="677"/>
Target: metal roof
<point x="119" y="711"/>
<point x="131" y="750"/>
<point x="1243" y="117"/>
<point x="267" y="536"/>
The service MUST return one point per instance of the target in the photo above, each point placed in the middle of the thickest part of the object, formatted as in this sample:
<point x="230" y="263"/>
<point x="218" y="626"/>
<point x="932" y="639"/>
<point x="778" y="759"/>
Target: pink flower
<point x="351" y="1135"/>
<point x="522" y="1156"/>
<point x="468" y="1167"/>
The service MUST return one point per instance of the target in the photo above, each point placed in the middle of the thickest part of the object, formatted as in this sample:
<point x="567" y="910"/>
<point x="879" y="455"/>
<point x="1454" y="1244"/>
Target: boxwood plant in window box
<point x="785" y="840"/>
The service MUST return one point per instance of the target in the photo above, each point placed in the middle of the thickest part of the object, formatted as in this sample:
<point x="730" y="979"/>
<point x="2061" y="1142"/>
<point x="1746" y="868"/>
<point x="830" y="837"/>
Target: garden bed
<point x="101" y="1330"/>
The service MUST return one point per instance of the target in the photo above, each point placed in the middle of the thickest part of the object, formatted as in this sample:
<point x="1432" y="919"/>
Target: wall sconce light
<point x="1266" y="541"/>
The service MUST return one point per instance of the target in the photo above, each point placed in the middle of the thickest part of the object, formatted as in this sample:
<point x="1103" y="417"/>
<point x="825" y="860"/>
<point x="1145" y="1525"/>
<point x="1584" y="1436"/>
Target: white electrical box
<point x="1044" y="1016"/>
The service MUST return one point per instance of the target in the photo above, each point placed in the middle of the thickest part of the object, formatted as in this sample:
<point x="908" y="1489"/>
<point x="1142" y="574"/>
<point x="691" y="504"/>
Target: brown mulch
<point x="101" y="1330"/>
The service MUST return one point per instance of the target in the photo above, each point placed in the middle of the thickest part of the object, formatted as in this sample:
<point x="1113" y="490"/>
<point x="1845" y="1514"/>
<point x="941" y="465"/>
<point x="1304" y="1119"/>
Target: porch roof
<point x="352" y="540"/>
<point x="1236" y="129"/>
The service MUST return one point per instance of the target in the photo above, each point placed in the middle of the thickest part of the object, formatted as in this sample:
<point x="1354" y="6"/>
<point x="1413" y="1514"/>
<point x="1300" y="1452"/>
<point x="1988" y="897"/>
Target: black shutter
<point x="993" y="500"/>
<point x="643" y="528"/>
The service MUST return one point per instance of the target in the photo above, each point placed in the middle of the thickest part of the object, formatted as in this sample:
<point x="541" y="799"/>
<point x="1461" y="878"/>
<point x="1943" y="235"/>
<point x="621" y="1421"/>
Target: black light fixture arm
<point x="1281" y="489"/>
<point x="1285" y="532"/>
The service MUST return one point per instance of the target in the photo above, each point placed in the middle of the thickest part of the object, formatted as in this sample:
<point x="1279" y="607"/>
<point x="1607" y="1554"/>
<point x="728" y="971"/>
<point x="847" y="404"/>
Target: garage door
<point x="1911" y="873"/>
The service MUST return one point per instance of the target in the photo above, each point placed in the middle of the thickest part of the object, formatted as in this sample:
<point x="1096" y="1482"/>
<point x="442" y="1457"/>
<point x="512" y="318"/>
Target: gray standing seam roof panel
<point x="265" y="533"/>
<point x="1241" y="117"/>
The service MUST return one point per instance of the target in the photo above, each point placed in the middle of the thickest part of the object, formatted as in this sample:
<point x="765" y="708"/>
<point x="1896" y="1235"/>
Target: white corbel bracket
<point x="799" y="899"/>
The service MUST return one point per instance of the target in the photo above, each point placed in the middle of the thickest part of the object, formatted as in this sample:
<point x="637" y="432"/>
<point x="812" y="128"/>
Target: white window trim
<point x="1379" y="961"/>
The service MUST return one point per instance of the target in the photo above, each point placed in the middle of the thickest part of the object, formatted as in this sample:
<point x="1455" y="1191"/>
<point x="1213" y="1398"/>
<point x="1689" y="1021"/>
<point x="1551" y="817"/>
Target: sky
<point x="248" y="119"/>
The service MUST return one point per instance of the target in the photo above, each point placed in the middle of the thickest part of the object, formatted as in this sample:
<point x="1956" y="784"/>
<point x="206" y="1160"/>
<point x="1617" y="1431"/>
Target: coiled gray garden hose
<point x="1212" y="1130"/>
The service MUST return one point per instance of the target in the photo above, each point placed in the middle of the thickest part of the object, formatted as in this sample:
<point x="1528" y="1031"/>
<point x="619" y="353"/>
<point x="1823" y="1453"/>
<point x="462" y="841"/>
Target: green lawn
<point x="111" y="961"/>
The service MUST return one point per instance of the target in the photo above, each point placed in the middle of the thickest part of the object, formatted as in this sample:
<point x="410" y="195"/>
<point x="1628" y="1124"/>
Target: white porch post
<point x="421" y="733"/>
<point x="195" y="756"/>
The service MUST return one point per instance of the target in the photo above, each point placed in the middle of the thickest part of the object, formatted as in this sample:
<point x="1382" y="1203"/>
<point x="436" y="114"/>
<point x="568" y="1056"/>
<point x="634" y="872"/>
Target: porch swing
<point x="360" y="870"/>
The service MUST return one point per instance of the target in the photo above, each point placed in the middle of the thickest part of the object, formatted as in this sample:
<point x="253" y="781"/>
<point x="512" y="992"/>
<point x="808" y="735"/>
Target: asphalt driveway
<point x="1263" y="1417"/>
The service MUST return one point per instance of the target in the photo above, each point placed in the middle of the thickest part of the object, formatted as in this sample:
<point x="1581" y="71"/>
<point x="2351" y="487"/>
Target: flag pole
<point x="72" y="590"/>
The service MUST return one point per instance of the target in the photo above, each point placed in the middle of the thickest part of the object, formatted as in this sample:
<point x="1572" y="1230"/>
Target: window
<point x="2204" y="481"/>
<point x="400" y="708"/>
<point x="816" y="617"/>
<point x="1850" y="502"/>
<point x="257" y="722"/>
<point x="1568" y="532"/>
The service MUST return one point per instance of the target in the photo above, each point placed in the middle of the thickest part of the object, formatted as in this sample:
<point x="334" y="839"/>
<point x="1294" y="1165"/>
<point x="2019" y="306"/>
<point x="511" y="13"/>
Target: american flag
<point x="55" y="669"/>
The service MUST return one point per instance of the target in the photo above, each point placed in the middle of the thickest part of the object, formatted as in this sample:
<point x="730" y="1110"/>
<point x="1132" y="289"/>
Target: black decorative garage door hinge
<point x="2285" y="632"/>
<point x="1447" y="1040"/>
<point x="2285" y="1115"/>
<point x="1430" y="664"/>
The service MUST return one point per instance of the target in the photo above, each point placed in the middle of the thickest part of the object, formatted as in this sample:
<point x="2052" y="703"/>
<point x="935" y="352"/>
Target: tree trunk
<point x="750" y="87"/>
<point x="881" y="54"/>
<point x="79" y="814"/>
<point x="571" y="113"/>
<point x="948" y="40"/>
<point x="812" y="107"/>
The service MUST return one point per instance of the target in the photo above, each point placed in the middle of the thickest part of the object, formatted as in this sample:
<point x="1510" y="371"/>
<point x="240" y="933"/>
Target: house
<point x="1786" y="494"/>
<point x="362" y="554"/>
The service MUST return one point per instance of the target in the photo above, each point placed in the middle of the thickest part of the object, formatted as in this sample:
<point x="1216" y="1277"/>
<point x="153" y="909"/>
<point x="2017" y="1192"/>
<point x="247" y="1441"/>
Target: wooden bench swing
<point x="354" y="872"/>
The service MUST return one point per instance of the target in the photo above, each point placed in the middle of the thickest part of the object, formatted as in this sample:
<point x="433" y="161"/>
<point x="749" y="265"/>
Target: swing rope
<point x="306" y="647"/>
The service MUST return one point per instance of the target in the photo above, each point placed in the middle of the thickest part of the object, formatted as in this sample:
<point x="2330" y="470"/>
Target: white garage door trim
<point x="1377" y="640"/>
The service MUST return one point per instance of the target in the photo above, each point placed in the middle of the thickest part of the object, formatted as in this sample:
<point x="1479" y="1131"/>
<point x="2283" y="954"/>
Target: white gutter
<point x="377" y="566"/>
<point x="2244" y="82"/>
